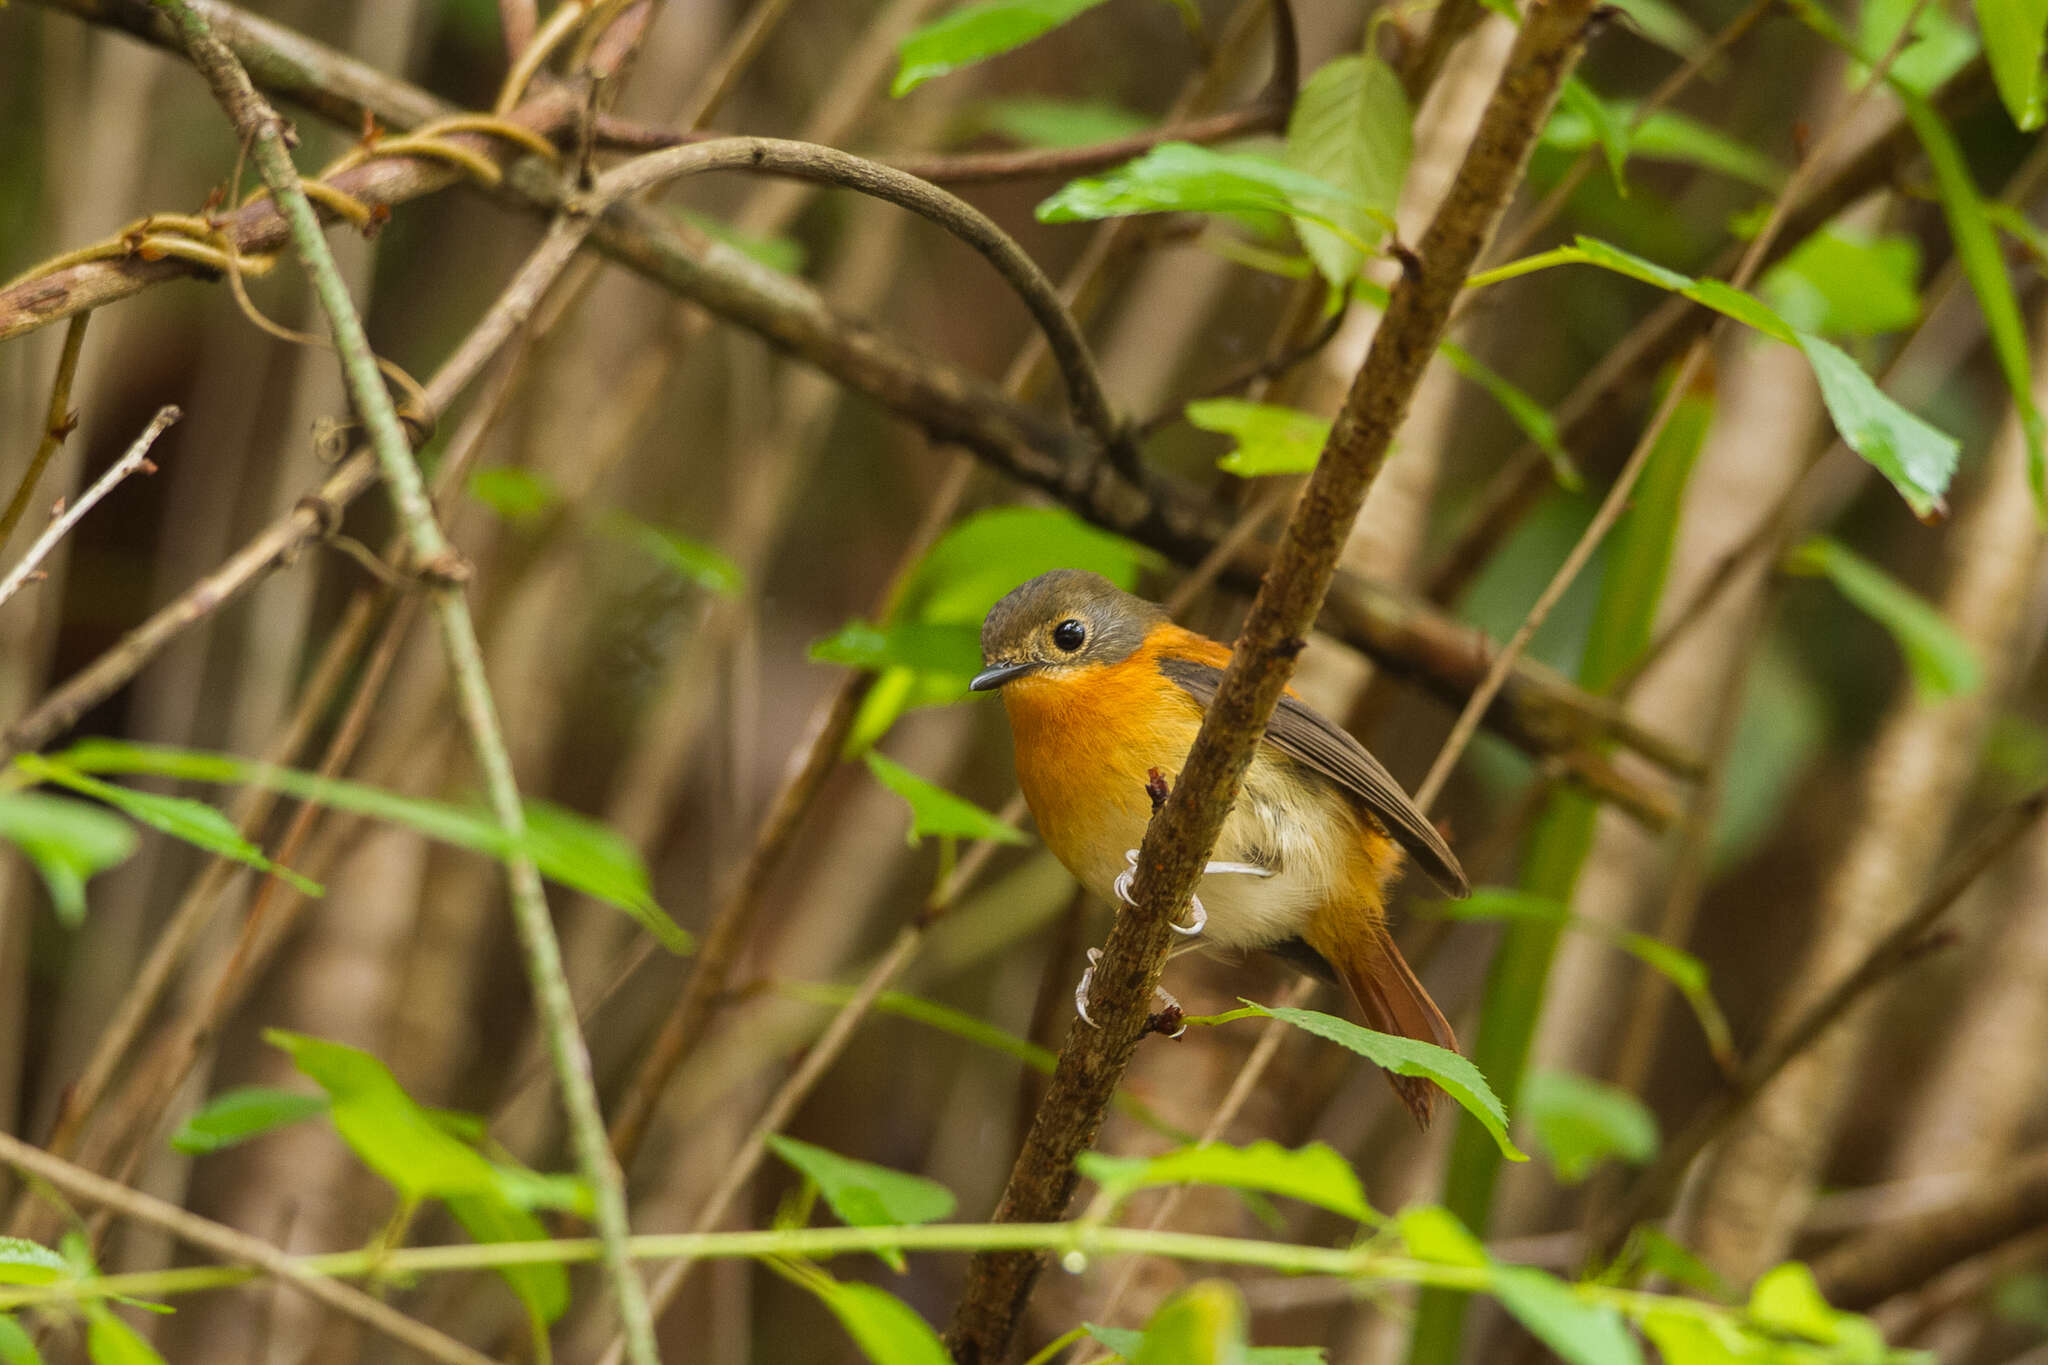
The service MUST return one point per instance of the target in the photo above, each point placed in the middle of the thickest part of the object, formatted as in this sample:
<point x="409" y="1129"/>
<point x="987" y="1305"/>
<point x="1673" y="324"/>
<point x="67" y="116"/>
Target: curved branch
<point x="829" y="165"/>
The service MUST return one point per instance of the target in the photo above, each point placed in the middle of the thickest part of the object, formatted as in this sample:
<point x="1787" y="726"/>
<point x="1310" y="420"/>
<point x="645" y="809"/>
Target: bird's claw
<point x="1198" y="916"/>
<point x="1168" y="1003"/>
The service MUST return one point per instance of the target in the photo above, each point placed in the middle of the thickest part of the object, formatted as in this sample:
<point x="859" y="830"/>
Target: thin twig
<point x="59" y="424"/>
<point x="238" y="1247"/>
<point x="137" y="457"/>
<point x="1180" y="837"/>
<point x="971" y="168"/>
<point x="264" y="133"/>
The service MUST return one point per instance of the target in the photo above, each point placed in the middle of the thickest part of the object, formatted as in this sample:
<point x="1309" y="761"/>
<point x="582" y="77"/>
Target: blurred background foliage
<point x="690" y="551"/>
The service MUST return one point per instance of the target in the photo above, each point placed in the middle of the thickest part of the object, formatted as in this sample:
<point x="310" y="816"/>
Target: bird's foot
<point x="1198" y="918"/>
<point x="1167" y="1004"/>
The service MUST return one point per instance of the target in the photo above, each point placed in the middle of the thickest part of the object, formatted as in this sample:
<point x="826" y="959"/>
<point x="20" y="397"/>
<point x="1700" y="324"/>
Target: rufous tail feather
<point x="1391" y="1001"/>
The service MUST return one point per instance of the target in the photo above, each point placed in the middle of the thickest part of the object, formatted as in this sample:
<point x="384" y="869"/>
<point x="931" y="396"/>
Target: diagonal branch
<point x="1178" y="843"/>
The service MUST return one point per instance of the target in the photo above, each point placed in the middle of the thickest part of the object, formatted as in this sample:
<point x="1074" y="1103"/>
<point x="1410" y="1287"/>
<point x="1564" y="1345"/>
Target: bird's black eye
<point x="1069" y="634"/>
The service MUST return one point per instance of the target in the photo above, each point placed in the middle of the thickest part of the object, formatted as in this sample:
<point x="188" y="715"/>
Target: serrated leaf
<point x="1941" y="661"/>
<point x="1314" y="1174"/>
<point x="1983" y="265"/>
<point x="1180" y="177"/>
<point x="1350" y="127"/>
<point x="568" y="848"/>
<point x="1838" y="285"/>
<point x="975" y="33"/>
<point x="518" y="496"/>
<point x="26" y="1262"/>
<point x="936" y="811"/>
<point x="236" y="1116"/>
<point x="1270" y="439"/>
<point x="192" y="822"/>
<point x="1409" y="1057"/>
<point x="1580" y="1122"/>
<point x="68" y="842"/>
<point x="1786" y="1300"/>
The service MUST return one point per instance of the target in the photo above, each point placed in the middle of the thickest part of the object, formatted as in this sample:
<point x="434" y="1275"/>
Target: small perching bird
<point x="1101" y="687"/>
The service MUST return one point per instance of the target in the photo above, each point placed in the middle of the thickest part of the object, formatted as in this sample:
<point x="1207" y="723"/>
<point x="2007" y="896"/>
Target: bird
<point x="1101" y="688"/>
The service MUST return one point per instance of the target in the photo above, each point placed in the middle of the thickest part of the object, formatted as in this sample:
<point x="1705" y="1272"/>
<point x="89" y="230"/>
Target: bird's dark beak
<point x="995" y="675"/>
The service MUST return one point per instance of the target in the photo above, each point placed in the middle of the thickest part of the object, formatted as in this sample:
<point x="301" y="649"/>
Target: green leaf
<point x="193" y="822"/>
<point x="1840" y="285"/>
<point x="981" y="558"/>
<point x="235" y="1116"/>
<point x="26" y="1262"/>
<point x="1581" y="1333"/>
<point x="1603" y="123"/>
<point x="1203" y="1324"/>
<point x="1940" y="45"/>
<point x="1666" y="25"/>
<point x="1580" y="1122"/>
<point x="1524" y="411"/>
<point x="887" y="1330"/>
<point x="16" y="1346"/>
<point x="541" y="1288"/>
<point x="936" y="811"/>
<point x="1984" y="267"/>
<point x="1350" y="128"/>
<point x="950" y="650"/>
<point x="1916" y="458"/>
<point x="569" y="849"/>
<point x="518" y="496"/>
<point x="1941" y="661"/>
<point x="974" y="33"/>
<point x="785" y="254"/>
<point x="110" y="1341"/>
<point x="67" y="841"/>
<point x="1786" y="1300"/>
<point x="1180" y="177"/>
<point x="1270" y="439"/>
<point x="865" y="1195"/>
<point x="1060" y="123"/>
<point x="391" y="1133"/>
<point x="1652" y="1251"/>
<point x="2013" y="31"/>
<point x="1314" y="1174"/>
<point x="1688" y="1339"/>
<point x="690" y="560"/>
<point x="1409" y="1057"/>
<point x="1434" y="1234"/>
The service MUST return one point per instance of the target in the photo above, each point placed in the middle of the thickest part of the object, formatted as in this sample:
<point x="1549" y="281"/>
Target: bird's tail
<point x="1391" y="1000"/>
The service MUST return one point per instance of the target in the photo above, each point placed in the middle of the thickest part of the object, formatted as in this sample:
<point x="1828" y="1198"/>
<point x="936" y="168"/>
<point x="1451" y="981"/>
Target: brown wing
<point x="1305" y="736"/>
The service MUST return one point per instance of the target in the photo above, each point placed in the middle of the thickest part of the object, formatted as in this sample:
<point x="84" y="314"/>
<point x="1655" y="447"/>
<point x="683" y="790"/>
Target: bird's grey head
<point x="1061" y="620"/>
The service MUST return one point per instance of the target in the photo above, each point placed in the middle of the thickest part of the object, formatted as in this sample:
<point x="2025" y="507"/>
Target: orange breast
<point x="1087" y="742"/>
